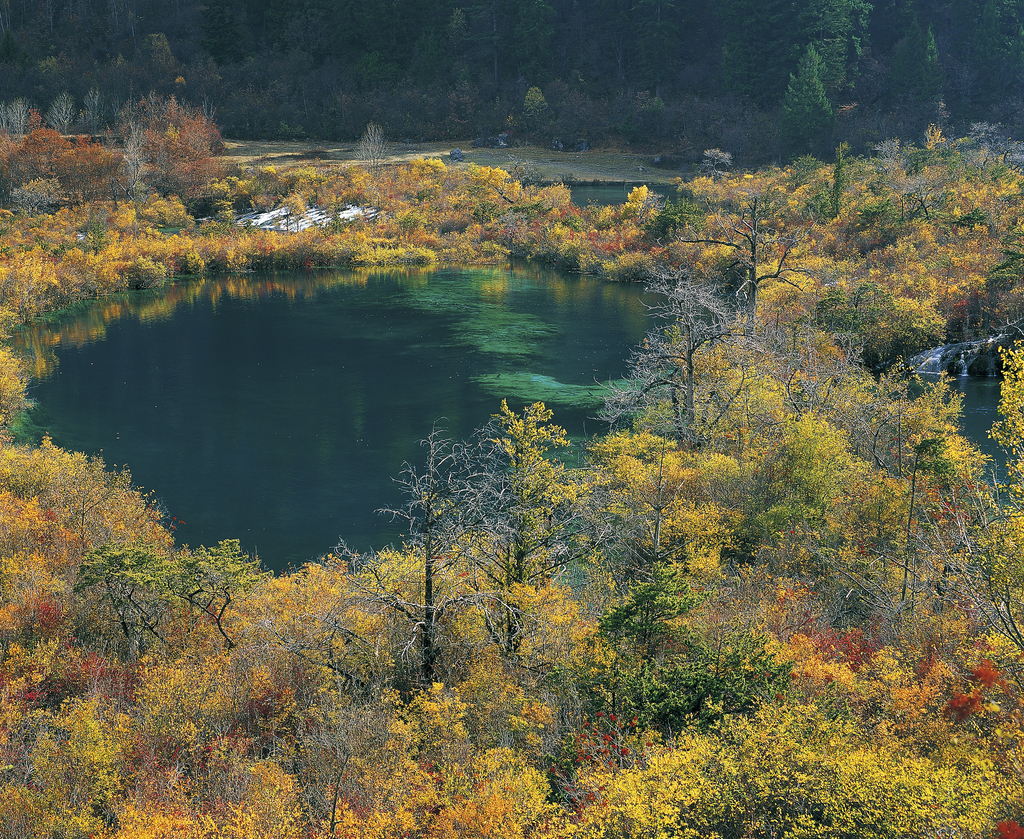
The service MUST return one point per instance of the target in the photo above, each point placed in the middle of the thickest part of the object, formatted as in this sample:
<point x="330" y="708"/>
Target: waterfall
<point x="929" y="362"/>
<point x="977" y="358"/>
<point x="961" y="365"/>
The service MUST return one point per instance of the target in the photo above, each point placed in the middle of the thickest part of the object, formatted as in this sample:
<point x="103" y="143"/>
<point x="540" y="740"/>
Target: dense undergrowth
<point x="780" y="598"/>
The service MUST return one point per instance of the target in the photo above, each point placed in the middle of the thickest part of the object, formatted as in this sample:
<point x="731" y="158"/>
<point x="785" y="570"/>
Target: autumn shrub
<point x="630" y="268"/>
<point x="165" y="212"/>
<point x="143" y="272"/>
<point x="77" y="769"/>
<point x="784" y="772"/>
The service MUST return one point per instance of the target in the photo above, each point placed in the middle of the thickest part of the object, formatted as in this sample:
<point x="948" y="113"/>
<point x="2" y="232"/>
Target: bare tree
<point x="133" y="163"/>
<point x="14" y="117"/>
<point x="663" y="370"/>
<point x="435" y="511"/>
<point x="530" y="516"/>
<point x="715" y="163"/>
<point x="61" y="113"/>
<point x="373" y="148"/>
<point x="40" y="195"/>
<point x="916" y="192"/>
<point x="762" y="249"/>
<point x="93" y="110"/>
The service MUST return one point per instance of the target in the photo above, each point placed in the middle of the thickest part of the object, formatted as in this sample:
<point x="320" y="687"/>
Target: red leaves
<point x="1009" y="830"/>
<point x="986" y="675"/>
<point x="852" y="647"/>
<point x="962" y="705"/>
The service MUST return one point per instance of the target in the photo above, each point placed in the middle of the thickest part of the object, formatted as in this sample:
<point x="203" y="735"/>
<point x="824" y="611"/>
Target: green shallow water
<point x="277" y="408"/>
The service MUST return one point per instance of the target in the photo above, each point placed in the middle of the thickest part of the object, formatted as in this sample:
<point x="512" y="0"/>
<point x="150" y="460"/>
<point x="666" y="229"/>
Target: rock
<point x="557" y="145"/>
<point x="456" y="154"/>
<point x="664" y="161"/>
<point x="582" y="145"/>
<point x="499" y="142"/>
<point x="970" y="358"/>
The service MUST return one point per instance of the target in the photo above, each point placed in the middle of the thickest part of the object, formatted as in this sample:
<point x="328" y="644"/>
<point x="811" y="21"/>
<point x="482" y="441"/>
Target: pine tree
<point x="758" y="50"/>
<point x="221" y="31"/>
<point x="806" y="111"/>
<point x="915" y="68"/>
<point x="8" y="48"/>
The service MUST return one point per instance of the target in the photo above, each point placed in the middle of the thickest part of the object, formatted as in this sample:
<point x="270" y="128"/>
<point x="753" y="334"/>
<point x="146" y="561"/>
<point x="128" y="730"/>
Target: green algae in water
<point x="506" y="333"/>
<point x="489" y="325"/>
<point x="277" y="408"/>
<point x="532" y="387"/>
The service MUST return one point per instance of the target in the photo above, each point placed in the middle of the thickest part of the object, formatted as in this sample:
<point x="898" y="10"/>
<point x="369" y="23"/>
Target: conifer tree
<point x="221" y="30"/>
<point x="806" y="111"/>
<point x="916" y="71"/>
<point x="8" y="48"/>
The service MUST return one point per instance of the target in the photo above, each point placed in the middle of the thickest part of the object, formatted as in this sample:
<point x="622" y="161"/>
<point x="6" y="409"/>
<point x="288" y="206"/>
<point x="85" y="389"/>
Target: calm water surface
<point x="615" y="193"/>
<point x="276" y="409"/>
<point x="981" y="409"/>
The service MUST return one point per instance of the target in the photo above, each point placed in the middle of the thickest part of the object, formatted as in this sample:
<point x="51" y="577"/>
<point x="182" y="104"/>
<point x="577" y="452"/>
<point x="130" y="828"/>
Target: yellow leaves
<point x="637" y="197"/>
<point x="909" y="696"/>
<point x="933" y="138"/>
<point x="427" y="167"/>
<point x="12" y="387"/>
<point x="178" y="707"/>
<point x="76" y="766"/>
<point x="270" y="808"/>
<point x="783" y="772"/>
<point x="499" y="710"/>
<point x="438" y="730"/>
<point x="1008" y="432"/>
<point x="813" y="677"/>
<point x="508" y="799"/>
<point x="667" y="488"/>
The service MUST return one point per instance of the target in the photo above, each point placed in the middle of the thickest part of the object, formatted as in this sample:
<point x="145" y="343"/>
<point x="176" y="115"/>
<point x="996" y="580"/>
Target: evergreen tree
<point x="9" y="51"/>
<point x="222" y="36"/>
<point x="656" y="24"/>
<point x="996" y="50"/>
<point x="763" y="40"/>
<point x="531" y="38"/>
<point x="758" y="47"/>
<point x="915" y="70"/>
<point x="806" y="111"/>
<point x="838" y="31"/>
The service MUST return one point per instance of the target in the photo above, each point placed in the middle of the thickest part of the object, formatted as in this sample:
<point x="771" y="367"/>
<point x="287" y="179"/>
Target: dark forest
<point x="764" y="79"/>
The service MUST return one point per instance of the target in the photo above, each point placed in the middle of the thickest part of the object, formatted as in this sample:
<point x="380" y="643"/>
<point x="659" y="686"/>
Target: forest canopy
<point x="679" y="76"/>
<point x="782" y="596"/>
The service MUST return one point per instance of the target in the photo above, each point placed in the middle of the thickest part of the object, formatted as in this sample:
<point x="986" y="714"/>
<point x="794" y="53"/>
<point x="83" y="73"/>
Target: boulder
<point x="457" y="155"/>
<point x="664" y="161"/>
<point x="499" y="142"/>
<point x="970" y="358"/>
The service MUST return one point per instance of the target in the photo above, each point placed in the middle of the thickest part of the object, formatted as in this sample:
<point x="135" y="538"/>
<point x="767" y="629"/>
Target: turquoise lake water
<point x="277" y="408"/>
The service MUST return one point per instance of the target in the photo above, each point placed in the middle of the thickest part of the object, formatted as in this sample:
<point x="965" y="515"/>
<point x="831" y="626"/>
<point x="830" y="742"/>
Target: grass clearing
<point x="600" y="165"/>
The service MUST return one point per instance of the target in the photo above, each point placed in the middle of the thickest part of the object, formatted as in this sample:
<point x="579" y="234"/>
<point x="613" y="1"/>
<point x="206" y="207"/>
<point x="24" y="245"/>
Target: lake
<point x="277" y="408"/>
<point x="981" y="409"/>
<point x="611" y="193"/>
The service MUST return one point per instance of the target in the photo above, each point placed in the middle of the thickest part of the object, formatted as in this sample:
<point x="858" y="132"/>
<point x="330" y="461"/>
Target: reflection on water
<point x="981" y="409"/>
<point x="277" y="408"/>
<point x="616" y="193"/>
